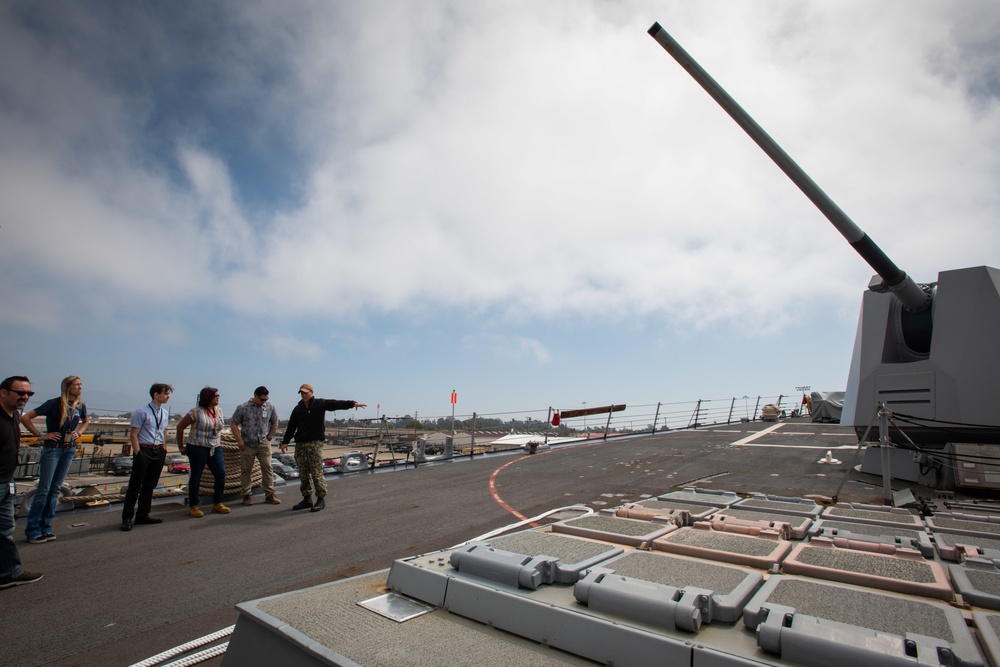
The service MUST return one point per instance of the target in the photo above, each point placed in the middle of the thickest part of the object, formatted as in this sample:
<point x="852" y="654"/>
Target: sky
<point x="528" y="203"/>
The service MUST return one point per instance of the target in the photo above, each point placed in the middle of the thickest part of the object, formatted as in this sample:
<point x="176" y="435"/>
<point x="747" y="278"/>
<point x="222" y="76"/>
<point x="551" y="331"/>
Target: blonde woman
<point x="203" y="448"/>
<point x="65" y="420"/>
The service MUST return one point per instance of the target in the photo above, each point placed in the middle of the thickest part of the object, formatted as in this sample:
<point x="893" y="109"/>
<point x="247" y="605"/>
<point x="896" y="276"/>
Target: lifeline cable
<point x="200" y="656"/>
<point x="910" y="419"/>
<point x="944" y="421"/>
<point x="183" y="648"/>
<point x="940" y="455"/>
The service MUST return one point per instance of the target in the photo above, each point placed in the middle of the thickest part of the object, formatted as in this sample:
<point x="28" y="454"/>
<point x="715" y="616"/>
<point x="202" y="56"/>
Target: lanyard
<point x="158" y="419"/>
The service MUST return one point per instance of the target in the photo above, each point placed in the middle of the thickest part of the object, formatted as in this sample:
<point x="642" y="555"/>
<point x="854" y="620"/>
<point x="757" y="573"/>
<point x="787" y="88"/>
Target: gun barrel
<point x="895" y="279"/>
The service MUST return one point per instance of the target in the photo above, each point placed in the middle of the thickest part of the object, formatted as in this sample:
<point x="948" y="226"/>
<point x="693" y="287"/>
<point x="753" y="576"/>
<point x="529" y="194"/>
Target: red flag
<point x="555" y="419"/>
<point x="454" y="397"/>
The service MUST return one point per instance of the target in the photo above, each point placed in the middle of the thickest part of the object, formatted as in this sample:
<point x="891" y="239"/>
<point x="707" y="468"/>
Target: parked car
<point x="177" y="463"/>
<point x="331" y="465"/>
<point x="287" y="459"/>
<point x="120" y="465"/>
<point x="283" y="471"/>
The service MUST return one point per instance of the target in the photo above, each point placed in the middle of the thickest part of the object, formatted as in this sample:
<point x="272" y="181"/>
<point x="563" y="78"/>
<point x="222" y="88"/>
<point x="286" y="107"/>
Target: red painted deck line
<point x="493" y="478"/>
<point x="496" y="496"/>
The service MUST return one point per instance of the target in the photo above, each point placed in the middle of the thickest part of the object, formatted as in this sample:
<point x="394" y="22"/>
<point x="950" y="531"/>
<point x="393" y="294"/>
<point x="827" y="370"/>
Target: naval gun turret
<point x="928" y="352"/>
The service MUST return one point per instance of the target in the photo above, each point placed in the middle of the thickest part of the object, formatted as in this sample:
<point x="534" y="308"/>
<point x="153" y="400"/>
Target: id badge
<point x="11" y="487"/>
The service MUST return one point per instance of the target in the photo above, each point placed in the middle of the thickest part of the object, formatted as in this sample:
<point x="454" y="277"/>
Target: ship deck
<point x="291" y="581"/>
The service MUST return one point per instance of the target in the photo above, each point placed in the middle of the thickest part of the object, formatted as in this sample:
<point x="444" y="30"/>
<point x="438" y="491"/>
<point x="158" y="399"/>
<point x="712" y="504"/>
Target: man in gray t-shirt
<point x="253" y="424"/>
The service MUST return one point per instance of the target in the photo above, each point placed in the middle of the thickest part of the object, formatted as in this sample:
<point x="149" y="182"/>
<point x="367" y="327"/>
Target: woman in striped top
<point x="202" y="448"/>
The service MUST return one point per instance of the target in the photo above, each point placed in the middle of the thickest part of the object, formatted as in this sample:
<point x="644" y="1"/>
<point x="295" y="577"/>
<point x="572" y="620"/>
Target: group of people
<point x="253" y="424"/>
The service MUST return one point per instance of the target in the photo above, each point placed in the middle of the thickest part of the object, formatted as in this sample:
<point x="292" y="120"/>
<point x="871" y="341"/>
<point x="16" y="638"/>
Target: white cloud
<point x="292" y="347"/>
<point x="516" y="162"/>
<point x="509" y="348"/>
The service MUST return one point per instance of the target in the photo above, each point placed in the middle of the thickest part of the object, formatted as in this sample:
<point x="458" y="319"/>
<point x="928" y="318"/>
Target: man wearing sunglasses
<point x="14" y="394"/>
<point x="253" y="425"/>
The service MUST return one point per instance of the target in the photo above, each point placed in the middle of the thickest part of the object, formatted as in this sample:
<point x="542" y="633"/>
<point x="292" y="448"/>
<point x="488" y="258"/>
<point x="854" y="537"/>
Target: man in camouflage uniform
<point x="307" y="424"/>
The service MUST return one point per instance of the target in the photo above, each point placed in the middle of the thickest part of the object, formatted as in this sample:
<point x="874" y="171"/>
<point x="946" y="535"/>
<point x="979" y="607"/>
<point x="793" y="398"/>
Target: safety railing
<point x="473" y="433"/>
<point x="396" y="440"/>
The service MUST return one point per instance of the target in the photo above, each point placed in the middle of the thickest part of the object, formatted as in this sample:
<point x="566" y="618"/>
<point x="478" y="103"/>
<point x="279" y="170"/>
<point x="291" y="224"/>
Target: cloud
<point x="514" y="161"/>
<point x="509" y="348"/>
<point x="291" y="347"/>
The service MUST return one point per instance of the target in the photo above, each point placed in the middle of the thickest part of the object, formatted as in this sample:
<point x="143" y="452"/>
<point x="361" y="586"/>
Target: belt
<point x="65" y="445"/>
<point x="150" y="446"/>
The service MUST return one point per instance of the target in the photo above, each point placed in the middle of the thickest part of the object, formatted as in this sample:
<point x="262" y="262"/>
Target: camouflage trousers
<point x="309" y="459"/>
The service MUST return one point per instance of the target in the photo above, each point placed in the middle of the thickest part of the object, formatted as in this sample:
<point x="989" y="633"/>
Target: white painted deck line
<point x="754" y="436"/>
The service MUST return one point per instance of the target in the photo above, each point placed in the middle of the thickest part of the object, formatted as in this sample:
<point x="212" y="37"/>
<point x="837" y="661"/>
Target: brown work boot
<point x="195" y="512"/>
<point x="219" y="508"/>
<point x="247" y="500"/>
<point x="272" y="500"/>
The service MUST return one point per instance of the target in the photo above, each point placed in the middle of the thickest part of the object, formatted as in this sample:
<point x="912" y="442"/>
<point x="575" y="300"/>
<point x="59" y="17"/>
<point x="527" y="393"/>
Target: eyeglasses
<point x="23" y="394"/>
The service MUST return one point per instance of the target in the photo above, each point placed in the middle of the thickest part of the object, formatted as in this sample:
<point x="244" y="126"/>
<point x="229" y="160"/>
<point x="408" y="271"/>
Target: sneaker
<point x="195" y="512"/>
<point x="50" y="537"/>
<point x="37" y="539"/>
<point x="219" y="508"/>
<point x="272" y="500"/>
<point x="320" y="504"/>
<point x="25" y="578"/>
<point x="247" y="500"/>
<point x="306" y="503"/>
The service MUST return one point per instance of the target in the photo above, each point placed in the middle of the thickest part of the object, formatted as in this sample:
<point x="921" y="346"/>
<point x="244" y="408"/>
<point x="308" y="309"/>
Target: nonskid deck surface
<point x="625" y="605"/>
<point x="765" y="586"/>
<point x="158" y="587"/>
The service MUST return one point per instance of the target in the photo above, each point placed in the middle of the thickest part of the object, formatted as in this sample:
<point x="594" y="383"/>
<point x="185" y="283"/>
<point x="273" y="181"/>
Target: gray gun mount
<point x="928" y="352"/>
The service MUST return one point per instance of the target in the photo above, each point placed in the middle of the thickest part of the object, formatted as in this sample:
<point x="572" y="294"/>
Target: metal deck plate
<point x="874" y="514"/>
<point x="396" y="607"/>
<point x="613" y="529"/>
<point x="756" y="552"/>
<point x="765" y="503"/>
<point x="821" y="623"/>
<point x="914" y="575"/>
<point x="701" y="497"/>
<point x="964" y="525"/>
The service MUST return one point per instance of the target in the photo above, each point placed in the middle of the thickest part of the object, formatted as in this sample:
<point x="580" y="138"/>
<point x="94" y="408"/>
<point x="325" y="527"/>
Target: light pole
<point x="454" y="400"/>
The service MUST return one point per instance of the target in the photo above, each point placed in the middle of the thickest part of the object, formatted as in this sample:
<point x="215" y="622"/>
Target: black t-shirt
<point x="10" y="441"/>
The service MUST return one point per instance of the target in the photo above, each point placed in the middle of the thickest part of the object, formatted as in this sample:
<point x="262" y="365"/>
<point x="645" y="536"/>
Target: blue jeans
<point x="53" y="465"/>
<point x="10" y="559"/>
<point x="199" y="457"/>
